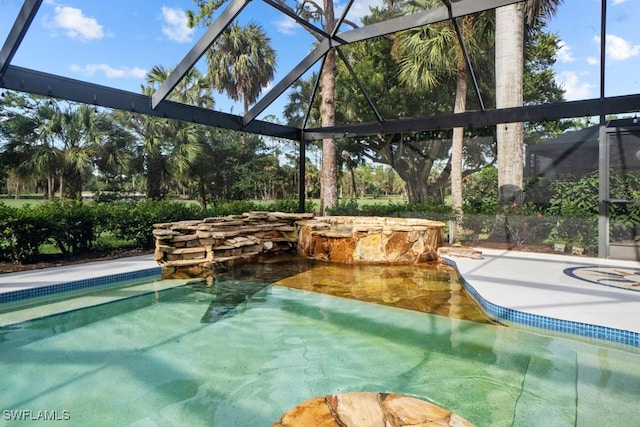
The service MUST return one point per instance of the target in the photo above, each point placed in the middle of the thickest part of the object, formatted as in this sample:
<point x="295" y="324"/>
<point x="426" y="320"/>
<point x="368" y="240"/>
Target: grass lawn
<point x="362" y="201"/>
<point x="18" y="203"/>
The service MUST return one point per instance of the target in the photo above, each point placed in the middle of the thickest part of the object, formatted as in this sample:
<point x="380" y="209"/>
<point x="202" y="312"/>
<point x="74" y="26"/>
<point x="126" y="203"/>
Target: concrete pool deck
<point x="557" y="286"/>
<point x="23" y="280"/>
<point x="547" y="285"/>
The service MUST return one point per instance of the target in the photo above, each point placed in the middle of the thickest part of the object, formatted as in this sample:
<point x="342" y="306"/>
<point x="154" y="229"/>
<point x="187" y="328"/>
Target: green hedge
<point x="75" y="227"/>
<point x="554" y="210"/>
<point x="22" y="232"/>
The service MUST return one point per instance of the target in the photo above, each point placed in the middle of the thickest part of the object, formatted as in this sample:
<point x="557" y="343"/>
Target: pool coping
<point x="533" y="321"/>
<point x="21" y="294"/>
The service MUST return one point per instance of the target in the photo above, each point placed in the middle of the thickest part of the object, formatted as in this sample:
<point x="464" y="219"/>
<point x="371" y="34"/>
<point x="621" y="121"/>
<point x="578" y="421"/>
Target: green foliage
<point x="555" y="210"/>
<point x="133" y="221"/>
<point x="480" y="195"/>
<point x="574" y="205"/>
<point x="574" y="197"/>
<point x="539" y="192"/>
<point x="346" y="208"/>
<point x="73" y="225"/>
<point x="625" y="223"/>
<point x="230" y="207"/>
<point x="22" y="231"/>
<point x="289" y="206"/>
<point x="430" y="210"/>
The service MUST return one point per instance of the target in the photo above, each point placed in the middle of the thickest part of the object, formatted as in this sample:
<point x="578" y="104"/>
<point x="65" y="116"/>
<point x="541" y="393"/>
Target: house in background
<point x="577" y="153"/>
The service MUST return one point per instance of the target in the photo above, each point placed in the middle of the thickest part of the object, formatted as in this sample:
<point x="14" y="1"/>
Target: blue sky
<point x="116" y="42"/>
<point x="577" y="23"/>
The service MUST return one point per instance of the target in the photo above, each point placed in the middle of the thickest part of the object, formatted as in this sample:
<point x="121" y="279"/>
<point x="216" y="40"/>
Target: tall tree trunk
<point x="329" y="177"/>
<point x="202" y="194"/>
<point x="415" y="183"/>
<point x="154" y="176"/>
<point x="74" y="184"/>
<point x="354" y="187"/>
<point x="456" y="143"/>
<point x="50" y="187"/>
<point x="509" y="75"/>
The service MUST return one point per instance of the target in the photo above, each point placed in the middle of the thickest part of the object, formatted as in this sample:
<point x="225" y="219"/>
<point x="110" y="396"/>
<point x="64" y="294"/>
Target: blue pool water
<point x="189" y="356"/>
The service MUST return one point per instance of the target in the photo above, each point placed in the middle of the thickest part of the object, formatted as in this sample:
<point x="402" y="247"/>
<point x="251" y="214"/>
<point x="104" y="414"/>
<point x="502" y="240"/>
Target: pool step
<point x="88" y="299"/>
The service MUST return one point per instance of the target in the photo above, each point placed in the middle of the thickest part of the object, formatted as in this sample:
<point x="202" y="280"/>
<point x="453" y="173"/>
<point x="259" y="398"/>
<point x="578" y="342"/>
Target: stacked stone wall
<point x="200" y="247"/>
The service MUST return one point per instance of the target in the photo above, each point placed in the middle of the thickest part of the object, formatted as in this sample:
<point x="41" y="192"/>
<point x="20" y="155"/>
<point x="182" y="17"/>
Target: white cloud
<point x="175" y="25"/>
<point x="592" y="60"/>
<point x="574" y="88"/>
<point x="108" y="71"/>
<point x="75" y="24"/>
<point x="286" y="25"/>
<point x="564" y="52"/>
<point x="620" y="49"/>
<point x="357" y="11"/>
<point x="615" y="2"/>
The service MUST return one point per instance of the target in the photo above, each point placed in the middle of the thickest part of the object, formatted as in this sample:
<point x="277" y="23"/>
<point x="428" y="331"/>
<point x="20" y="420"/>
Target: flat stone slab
<point x="459" y="251"/>
<point x="369" y="409"/>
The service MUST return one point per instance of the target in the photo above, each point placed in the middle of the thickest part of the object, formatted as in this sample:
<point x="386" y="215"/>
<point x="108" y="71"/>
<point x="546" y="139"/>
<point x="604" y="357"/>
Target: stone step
<point x="184" y="238"/>
<point x="182" y="262"/>
<point x="194" y="250"/>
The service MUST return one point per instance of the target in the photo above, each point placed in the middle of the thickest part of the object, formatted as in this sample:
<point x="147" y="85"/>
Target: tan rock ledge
<point x="370" y="240"/>
<point x="369" y="409"/>
<point x="344" y="239"/>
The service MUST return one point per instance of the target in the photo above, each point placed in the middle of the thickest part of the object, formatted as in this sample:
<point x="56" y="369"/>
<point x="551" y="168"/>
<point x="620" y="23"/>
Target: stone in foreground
<point x="369" y="409"/>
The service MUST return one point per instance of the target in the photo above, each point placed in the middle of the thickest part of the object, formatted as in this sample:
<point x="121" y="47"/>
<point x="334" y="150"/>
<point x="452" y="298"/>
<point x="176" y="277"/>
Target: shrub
<point x="429" y="210"/>
<point x="480" y="195"/>
<point x="625" y="218"/>
<point x="229" y="207"/>
<point x="346" y="208"/>
<point x="22" y="232"/>
<point x="73" y="225"/>
<point x="133" y="221"/>
<point x="289" y="206"/>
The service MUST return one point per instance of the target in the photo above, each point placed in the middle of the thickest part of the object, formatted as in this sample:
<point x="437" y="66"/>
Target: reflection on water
<point x="431" y="288"/>
<point x="150" y="360"/>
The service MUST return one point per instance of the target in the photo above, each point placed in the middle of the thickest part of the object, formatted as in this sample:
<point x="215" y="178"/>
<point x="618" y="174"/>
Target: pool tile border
<point x="494" y="311"/>
<point x="21" y="294"/>
<point x="536" y="321"/>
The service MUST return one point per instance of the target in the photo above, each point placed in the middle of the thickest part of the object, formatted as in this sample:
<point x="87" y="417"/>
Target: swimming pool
<point x="177" y="356"/>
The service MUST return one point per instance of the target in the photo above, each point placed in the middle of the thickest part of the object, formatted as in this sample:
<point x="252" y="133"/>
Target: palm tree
<point x="167" y="145"/>
<point x="241" y="63"/>
<point x="308" y="10"/>
<point x="299" y="96"/>
<point x="510" y="27"/>
<point x="17" y="129"/>
<point x="428" y="54"/>
<point x="77" y="132"/>
<point x="115" y="156"/>
<point x="47" y="162"/>
<point x="328" y="176"/>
